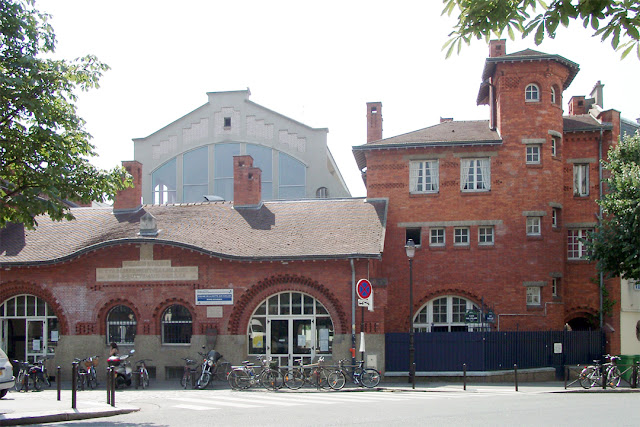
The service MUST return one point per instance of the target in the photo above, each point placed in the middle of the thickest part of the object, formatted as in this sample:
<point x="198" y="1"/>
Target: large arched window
<point x="289" y="326"/>
<point x="177" y="325"/>
<point x="121" y="325"/>
<point x="532" y="93"/>
<point x="195" y="175"/>
<point x="163" y="182"/>
<point x="292" y="176"/>
<point x="445" y="314"/>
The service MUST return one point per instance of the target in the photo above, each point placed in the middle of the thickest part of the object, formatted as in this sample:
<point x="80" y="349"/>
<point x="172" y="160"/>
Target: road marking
<point x="216" y="402"/>
<point x="195" y="408"/>
<point x="271" y="400"/>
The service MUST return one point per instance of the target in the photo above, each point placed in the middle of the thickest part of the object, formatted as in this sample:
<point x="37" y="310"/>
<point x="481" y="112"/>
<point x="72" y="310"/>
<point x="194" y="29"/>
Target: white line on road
<point x="195" y="408"/>
<point x="216" y="402"/>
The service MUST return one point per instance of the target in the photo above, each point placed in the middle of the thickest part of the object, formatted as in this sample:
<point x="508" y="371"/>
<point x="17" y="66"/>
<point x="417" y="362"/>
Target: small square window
<point x="533" y="295"/>
<point x="436" y="237"/>
<point x="227" y="122"/>
<point x="485" y="235"/>
<point x="533" y="226"/>
<point x="461" y="236"/>
<point x="413" y="234"/>
<point x="533" y="154"/>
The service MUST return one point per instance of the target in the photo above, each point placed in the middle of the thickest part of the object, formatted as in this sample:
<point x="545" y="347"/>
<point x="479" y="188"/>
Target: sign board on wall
<point x="214" y="296"/>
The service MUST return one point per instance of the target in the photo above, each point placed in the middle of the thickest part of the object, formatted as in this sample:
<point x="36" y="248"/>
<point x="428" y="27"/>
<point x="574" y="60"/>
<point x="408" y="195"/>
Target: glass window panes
<point x="423" y="176"/>
<point x="176" y="325"/>
<point x="195" y="175"/>
<point x="296" y="303"/>
<point x="485" y="235"/>
<point x="461" y="236"/>
<point x="223" y="169"/>
<point x="292" y="177"/>
<point x="475" y="175"/>
<point x="581" y="180"/>
<point x="533" y="295"/>
<point x="163" y="183"/>
<point x="533" y="154"/>
<point x="263" y="159"/>
<point x="533" y="226"/>
<point x="121" y="325"/>
<point x="532" y="93"/>
<point x="436" y="237"/>
<point x="445" y="314"/>
<point x="285" y="307"/>
<point x="576" y="247"/>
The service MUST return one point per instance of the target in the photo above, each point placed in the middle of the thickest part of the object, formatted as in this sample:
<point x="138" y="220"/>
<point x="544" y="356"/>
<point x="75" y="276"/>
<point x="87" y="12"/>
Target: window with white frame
<point x="485" y="235"/>
<point x="533" y="295"/>
<point x="436" y="236"/>
<point x="445" y="314"/>
<point x="576" y="246"/>
<point x="553" y="95"/>
<point x="533" y="226"/>
<point x="532" y="93"/>
<point x="554" y="286"/>
<point x="461" y="236"/>
<point x="475" y="174"/>
<point x="581" y="180"/>
<point x="423" y="176"/>
<point x="554" y="146"/>
<point x="533" y="154"/>
<point x="555" y="217"/>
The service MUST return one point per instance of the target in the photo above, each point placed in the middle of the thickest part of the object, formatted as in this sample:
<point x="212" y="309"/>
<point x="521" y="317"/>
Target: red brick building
<point x="497" y="207"/>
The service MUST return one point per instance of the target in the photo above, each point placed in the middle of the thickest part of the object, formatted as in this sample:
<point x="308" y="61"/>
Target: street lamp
<point x="410" y="248"/>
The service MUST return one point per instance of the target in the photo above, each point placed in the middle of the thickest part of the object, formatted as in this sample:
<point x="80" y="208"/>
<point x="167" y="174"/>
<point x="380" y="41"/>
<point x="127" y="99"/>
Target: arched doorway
<point x="289" y="326"/>
<point x="29" y="328"/>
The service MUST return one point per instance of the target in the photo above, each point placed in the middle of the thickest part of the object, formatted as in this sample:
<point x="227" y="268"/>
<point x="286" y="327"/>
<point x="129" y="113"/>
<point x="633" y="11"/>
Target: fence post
<point x="108" y="380"/>
<point x="566" y="376"/>
<point x="58" y="381"/>
<point x="74" y="384"/>
<point x="515" y="374"/>
<point x="464" y="376"/>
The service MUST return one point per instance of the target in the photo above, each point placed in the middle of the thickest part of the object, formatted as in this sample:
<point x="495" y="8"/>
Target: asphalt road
<point x="372" y="408"/>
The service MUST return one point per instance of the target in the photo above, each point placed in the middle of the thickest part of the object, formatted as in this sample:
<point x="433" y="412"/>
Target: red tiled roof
<point x="305" y="229"/>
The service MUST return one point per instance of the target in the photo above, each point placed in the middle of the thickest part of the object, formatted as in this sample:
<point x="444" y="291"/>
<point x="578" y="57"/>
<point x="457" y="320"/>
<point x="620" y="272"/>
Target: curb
<point x="63" y="416"/>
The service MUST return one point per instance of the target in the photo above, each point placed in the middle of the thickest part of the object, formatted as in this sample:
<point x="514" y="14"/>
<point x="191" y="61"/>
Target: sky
<point x="316" y="62"/>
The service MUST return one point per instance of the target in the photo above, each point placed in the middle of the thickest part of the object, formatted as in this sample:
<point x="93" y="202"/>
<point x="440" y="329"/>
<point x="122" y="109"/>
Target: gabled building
<point x="190" y="160"/>
<point x="497" y="207"/>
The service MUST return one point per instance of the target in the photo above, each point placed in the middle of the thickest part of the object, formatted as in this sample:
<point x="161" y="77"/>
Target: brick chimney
<point x="597" y="93"/>
<point x="374" y="121"/>
<point x="130" y="199"/>
<point x="497" y="48"/>
<point x="577" y="105"/>
<point x="446" y="119"/>
<point x="247" y="183"/>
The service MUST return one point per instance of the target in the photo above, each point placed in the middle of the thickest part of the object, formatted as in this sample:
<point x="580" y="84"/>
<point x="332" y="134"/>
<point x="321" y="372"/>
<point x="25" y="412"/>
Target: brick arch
<point x="248" y="302"/>
<point x="579" y="311"/>
<point x="102" y="314"/>
<point x="11" y="289"/>
<point x="156" y="316"/>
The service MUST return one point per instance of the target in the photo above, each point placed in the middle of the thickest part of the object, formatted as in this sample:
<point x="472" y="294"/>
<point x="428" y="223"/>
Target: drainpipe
<point x="600" y="193"/>
<point x="353" y="313"/>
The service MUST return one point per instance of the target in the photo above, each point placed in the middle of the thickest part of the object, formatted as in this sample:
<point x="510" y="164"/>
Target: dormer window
<point x="532" y="93"/>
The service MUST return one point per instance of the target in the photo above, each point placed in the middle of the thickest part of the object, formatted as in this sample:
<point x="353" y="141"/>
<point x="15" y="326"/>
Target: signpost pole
<point x="362" y="330"/>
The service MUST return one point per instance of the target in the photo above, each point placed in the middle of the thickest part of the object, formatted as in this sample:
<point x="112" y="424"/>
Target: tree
<point x="615" y="19"/>
<point x="616" y="242"/>
<point x="44" y="148"/>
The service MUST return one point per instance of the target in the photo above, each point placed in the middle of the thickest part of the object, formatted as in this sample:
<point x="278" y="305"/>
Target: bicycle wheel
<point x="222" y="371"/>
<point x="320" y="378"/>
<point x="185" y="381"/>
<point x="144" y="379"/>
<point x="204" y="380"/>
<point x="370" y="378"/>
<point x="35" y="383"/>
<point x="19" y="385"/>
<point x="239" y="380"/>
<point x="293" y="379"/>
<point x="613" y="377"/>
<point x="587" y="377"/>
<point x="271" y="379"/>
<point x="336" y="380"/>
<point x="92" y="381"/>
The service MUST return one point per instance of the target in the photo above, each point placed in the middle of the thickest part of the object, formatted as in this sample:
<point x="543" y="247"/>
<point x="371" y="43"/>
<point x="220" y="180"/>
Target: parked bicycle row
<point x="608" y="374"/>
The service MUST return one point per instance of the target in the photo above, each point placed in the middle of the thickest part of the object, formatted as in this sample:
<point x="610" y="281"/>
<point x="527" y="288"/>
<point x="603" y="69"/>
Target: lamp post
<point x="410" y="248"/>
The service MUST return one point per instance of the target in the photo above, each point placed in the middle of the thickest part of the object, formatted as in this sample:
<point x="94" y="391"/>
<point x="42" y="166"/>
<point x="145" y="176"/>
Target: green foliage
<point x="44" y="149"/>
<point x="616" y="242"/>
<point x="618" y="20"/>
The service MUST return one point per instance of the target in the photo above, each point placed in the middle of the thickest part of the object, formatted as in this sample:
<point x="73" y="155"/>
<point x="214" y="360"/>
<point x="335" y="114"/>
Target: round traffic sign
<point x="363" y="289"/>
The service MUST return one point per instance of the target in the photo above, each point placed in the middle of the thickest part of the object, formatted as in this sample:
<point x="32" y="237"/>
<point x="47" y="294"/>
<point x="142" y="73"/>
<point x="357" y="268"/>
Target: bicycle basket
<point x="88" y="363"/>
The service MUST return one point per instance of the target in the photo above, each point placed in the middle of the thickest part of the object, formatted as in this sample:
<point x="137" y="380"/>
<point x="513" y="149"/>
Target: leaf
<point x="539" y="37"/>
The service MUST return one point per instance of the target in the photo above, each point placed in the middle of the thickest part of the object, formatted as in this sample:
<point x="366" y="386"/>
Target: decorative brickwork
<point x="13" y="288"/>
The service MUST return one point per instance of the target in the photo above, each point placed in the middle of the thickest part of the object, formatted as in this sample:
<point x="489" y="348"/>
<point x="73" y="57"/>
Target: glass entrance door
<point x="291" y="339"/>
<point x="36" y="339"/>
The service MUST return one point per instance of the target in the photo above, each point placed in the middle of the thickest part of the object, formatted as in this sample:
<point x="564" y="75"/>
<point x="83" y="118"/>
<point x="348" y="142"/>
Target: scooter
<point x="123" y="369"/>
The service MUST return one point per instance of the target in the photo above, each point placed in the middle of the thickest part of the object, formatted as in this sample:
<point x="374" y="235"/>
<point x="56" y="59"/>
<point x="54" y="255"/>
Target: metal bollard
<point x="634" y="379"/>
<point x="515" y="374"/>
<point x="113" y="386"/>
<point x="604" y="377"/>
<point x="74" y="384"/>
<point x="58" y="382"/>
<point x="566" y="376"/>
<point x="108" y="383"/>
<point x="464" y="376"/>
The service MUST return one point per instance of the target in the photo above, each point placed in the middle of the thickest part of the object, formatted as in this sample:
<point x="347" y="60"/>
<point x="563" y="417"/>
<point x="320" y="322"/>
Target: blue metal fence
<point x="492" y="351"/>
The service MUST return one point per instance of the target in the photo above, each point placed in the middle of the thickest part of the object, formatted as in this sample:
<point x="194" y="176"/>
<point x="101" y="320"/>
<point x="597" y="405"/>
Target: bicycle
<point x="189" y="374"/>
<point x="141" y="368"/>
<point x="89" y="372"/>
<point x="244" y="376"/>
<point x="314" y="373"/>
<point x="29" y="377"/>
<point x="359" y="375"/>
<point x="43" y="367"/>
<point x="594" y="374"/>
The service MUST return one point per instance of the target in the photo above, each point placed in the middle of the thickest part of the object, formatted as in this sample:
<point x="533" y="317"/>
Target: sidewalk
<point x="19" y="408"/>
